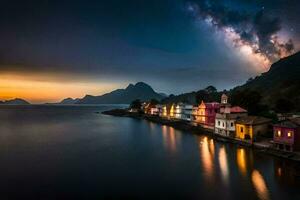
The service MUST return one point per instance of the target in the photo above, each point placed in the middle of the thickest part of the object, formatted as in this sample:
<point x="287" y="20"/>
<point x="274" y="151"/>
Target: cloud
<point x="258" y="31"/>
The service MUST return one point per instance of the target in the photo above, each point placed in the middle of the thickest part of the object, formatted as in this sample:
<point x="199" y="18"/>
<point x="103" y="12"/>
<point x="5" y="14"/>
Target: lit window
<point x="289" y="134"/>
<point x="278" y="133"/>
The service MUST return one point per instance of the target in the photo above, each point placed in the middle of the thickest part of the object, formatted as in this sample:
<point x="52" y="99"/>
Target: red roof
<point x="237" y="109"/>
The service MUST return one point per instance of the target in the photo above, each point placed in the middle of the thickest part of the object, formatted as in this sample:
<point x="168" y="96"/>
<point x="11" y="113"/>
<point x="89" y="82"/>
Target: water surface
<point x="50" y="152"/>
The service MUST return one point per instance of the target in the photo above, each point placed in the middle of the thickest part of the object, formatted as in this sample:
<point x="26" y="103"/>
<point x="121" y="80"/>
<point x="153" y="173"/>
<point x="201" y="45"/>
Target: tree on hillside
<point x="154" y="102"/>
<point x="136" y="104"/>
<point x="248" y="99"/>
<point x="283" y="105"/>
<point x="210" y="89"/>
<point x="209" y="94"/>
<point x="202" y="95"/>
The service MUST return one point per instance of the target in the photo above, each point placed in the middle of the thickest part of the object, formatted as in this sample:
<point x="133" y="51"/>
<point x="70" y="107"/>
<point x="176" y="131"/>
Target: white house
<point x="178" y="113"/>
<point x="187" y="112"/>
<point x="159" y="109"/>
<point x="225" y="120"/>
<point x="154" y="111"/>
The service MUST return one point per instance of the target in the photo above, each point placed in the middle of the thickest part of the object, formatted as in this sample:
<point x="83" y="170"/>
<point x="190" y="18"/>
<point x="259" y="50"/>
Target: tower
<point x="224" y="99"/>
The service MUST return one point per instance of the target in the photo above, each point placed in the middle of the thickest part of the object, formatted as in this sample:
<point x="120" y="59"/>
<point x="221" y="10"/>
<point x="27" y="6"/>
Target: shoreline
<point x="198" y="130"/>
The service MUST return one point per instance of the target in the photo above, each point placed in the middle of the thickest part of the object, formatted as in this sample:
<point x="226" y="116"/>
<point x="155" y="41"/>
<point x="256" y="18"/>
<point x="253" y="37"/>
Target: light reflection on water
<point x="224" y="164"/>
<point x="207" y="150"/>
<point x="170" y="138"/>
<point x="260" y="185"/>
<point x="242" y="161"/>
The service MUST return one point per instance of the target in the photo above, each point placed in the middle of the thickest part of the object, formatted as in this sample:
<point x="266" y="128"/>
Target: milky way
<point x="254" y="34"/>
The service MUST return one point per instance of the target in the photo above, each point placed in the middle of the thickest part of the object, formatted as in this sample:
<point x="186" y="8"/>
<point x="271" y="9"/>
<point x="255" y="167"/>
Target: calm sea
<point x="68" y="152"/>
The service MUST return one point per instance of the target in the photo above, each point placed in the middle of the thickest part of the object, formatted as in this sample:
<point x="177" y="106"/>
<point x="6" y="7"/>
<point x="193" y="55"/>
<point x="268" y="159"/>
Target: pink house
<point x="206" y="113"/>
<point x="287" y="135"/>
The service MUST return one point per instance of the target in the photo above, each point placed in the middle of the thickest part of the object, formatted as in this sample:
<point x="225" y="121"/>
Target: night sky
<point x="55" y="49"/>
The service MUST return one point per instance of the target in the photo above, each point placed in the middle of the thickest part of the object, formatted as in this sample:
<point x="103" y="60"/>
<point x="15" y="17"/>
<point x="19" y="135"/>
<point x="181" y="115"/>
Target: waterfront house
<point x="225" y="120"/>
<point x="250" y="127"/>
<point x="205" y="114"/>
<point x="171" y="112"/>
<point x="154" y="111"/>
<point x="286" y="135"/>
<point x="187" y="112"/>
<point x="162" y="110"/>
<point x="146" y="108"/>
<point x="167" y="111"/>
<point x="179" y="111"/>
<point x="151" y="109"/>
<point x="183" y="111"/>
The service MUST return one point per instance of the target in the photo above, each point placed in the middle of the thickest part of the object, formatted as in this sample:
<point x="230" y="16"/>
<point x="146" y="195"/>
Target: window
<point x="242" y="129"/>
<point x="231" y="124"/>
<point x="278" y="133"/>
<point x="290" y="134"/>
<point x="219" y="123"/>
<point x="223" y="124"/>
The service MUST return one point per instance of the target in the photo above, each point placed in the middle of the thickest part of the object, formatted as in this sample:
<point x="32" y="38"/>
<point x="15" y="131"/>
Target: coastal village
<point x="231" y="123"/>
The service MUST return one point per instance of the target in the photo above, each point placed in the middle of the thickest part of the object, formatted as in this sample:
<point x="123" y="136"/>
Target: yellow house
<point x="201" y="112"/>
<point x="172" y="111"/>
<point x="248" y="128"/>
<point x="165" y="113"/>
<point x="244" y="131"/>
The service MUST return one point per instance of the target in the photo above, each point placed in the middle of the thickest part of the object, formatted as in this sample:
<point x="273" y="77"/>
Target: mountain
<point x="278" y="89"/>
<point x="163" y="95"/>
<point x="280" y="85"/>
<point x="69" y="101"/>
<point x="16" y="101"/>
<point x="140" y="91"/>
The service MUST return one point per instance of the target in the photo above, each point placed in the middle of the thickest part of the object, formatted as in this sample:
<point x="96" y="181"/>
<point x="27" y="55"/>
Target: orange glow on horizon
<point x="39" y="91"/>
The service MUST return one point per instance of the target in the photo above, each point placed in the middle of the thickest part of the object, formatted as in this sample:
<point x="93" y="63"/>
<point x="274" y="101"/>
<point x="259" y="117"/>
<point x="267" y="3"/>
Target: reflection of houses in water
<point x="285" y="173"/>
<point x="260" y="185"/>
<point x="207" y="152"/>
<point x="223" y="164"/>
<point x="241" y="160"/>
<point x="170" y="138"/>
<point x="244" y="160"/>
<point x="152" y="126"/>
